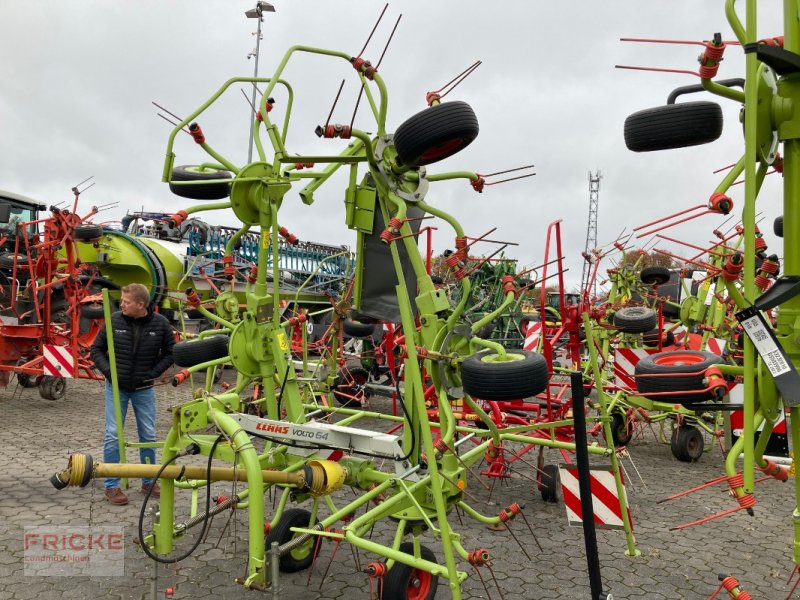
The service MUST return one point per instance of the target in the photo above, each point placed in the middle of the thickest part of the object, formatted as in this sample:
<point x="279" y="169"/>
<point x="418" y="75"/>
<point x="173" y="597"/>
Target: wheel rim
<point x="348" y="394"/>
<point x="53" y="389"/>
<point x="301" y="552"/>
<point x="353" y="389"/>
<point x="496" y="358"/>
<point x="679" y="359"/>
<point x="419" y="585"/>
<point x="203" y="170"/>
<point x="622" y="428"/>
<point x="93" y="308"/>
<point x="693" y="446"/>
<point x="655" y="279"/>
<point x="442" y="150"/>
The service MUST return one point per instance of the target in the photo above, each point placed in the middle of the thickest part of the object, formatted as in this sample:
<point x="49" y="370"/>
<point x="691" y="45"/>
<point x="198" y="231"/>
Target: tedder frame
<point x="306" y="456"/>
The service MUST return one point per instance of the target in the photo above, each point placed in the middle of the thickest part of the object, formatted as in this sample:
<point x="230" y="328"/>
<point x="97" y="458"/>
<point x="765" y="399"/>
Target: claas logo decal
<point x="282" y="429"/>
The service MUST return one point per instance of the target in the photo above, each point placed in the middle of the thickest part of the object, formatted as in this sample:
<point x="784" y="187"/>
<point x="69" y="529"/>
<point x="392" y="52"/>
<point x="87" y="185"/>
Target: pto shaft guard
<point x="318" y="477"/>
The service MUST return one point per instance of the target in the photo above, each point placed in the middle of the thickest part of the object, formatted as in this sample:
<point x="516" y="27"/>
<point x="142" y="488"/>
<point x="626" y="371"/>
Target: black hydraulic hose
<point x="406" y="417"/>
<point x="171" y="561"/>
<point x="283" y="386"/>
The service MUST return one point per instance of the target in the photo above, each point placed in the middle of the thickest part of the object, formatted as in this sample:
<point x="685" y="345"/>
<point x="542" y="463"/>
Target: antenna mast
<point x="591" y="228"/>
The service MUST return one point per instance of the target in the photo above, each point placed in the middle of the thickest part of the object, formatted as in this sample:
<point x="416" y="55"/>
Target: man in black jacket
<point x="143" y="342"/>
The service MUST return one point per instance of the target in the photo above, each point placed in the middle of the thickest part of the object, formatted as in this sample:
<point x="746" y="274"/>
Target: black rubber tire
<point x="654" y="336"/>
<point x="635" y="319"/>
<point x="7" y="260"/>
<point x="211" y="191"/>
<point x="26" y="380"/>
<point x="686" y="368"/>
<point x="508" y="380"/>
<point x="298" y="560"/>
<point x="435" y="133"/>
<point x="5" y="293"/>
<point x="668" y="310"/>
<point x="93" y="311"/>
<point x="654" y="275"/>
<point x="687" y="443"/>
<point x="486" y="331"/>
<point x="777" y="226"/>
<point x="621" y="434"/>
<point x="524" y="325"/>
<point x="548" y="483"/>
<point x="98" y="283"/>
<point x="401" y="579"/>
<point x="348" y="387"/>
<point x="320" y="326"/>
<point x="88" y="232"/>
<point x="59" y="306"/>
<point x="357" y="329"/>
<point x="674" y="446"/>
<point x="651" y="338"/>
<point x="52" y="388"/>
<point x="194" y="352"/>
<point x="673" y="126"/>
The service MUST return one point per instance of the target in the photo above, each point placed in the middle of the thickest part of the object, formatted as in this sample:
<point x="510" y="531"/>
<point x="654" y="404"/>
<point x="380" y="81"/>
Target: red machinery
<point x="49" y="303"/>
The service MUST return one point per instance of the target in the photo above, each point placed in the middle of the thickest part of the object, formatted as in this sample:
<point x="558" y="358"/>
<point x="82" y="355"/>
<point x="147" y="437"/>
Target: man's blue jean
<point x="144" y="408"/>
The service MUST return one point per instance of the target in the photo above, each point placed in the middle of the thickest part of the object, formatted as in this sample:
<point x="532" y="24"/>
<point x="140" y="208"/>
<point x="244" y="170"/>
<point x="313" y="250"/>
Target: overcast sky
<point x="79" y="78"/>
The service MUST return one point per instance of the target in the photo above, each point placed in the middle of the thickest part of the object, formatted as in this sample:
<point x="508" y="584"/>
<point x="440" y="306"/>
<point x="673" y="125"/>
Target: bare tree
<point x="650" y="259"/>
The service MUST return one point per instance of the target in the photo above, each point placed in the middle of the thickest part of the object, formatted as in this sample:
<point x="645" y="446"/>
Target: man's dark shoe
<point x="116" y="496"/>
<point x="156" y="490"/>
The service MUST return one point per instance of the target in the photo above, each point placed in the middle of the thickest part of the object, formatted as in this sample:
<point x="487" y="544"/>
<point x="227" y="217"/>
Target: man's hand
<point x="146" y="383"/>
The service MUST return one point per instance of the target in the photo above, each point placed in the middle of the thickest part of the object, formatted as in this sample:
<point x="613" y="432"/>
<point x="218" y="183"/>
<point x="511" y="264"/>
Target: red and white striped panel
<point x="605" y="500"/>
<point x="57" y="361"/>
<point x="329" y="454"/>
<point x="679" y="332"/>
<point x="716" y="346"/>
<point x="325" y="453"/>
<point x="532" y="335"/>
<point x="737" y="416"/>
<point x="625" y="360"/>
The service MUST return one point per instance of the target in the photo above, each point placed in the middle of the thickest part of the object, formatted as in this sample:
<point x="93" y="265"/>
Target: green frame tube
<point x="112" y="359"/>
<point x="260" y="337"/>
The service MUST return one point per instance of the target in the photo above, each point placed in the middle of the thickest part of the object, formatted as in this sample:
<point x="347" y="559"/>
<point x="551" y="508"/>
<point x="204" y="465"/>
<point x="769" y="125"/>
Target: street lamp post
<point x="256" y="13"/>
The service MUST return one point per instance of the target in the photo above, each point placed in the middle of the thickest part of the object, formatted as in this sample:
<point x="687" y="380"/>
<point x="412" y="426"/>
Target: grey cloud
<point x="79" y="79"/>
